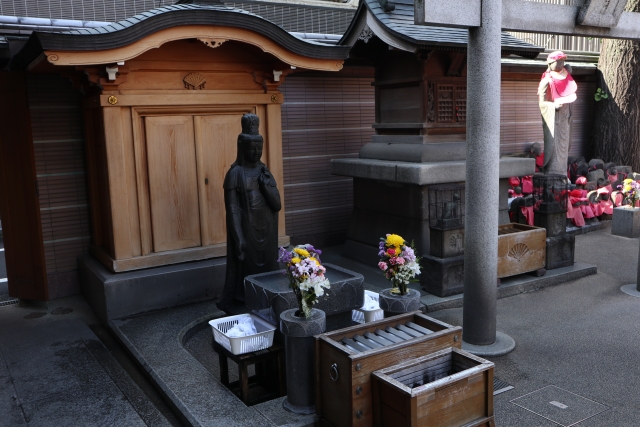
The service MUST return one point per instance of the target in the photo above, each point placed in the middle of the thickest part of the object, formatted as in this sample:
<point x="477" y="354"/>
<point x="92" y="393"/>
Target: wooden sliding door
<point x="216" y="149"/>
<point x="171" y="157"/>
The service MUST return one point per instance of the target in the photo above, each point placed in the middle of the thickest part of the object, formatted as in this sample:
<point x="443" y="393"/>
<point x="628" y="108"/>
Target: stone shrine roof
<point x="397" y="28"/>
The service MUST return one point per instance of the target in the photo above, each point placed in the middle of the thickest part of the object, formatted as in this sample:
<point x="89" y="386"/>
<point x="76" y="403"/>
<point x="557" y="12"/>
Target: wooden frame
<point x="347" y="401"/>
<point x="464" y="397"/>
<point x="132" y="243"/>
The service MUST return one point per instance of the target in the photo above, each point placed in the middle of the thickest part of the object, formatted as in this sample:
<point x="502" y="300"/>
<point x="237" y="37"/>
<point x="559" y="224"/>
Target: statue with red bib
<point x="556" y="92"/>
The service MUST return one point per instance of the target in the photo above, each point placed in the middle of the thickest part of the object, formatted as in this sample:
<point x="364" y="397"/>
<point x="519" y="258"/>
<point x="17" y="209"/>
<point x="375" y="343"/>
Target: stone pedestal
<point x="268" y="295"/>
<point x="560" y="251"/>
<point x="117" y="295"/>
<point x="447" y="243"/>
<point x="393" y="304"/>
<point x="443" y="276"/>
<point x="554" y="223"/>
<point x="380" y="186"/>
<point x="300" y="348"/>
<point x="626" y="222"/>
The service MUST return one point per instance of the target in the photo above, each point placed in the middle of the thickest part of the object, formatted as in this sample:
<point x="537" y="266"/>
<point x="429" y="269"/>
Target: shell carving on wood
<point x="518" y="251"/>
<point x="194" y="81"/>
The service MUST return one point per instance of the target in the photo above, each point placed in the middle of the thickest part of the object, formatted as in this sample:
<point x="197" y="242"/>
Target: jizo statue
<point x="556" y="92"/>
<point x="252" y="203"/>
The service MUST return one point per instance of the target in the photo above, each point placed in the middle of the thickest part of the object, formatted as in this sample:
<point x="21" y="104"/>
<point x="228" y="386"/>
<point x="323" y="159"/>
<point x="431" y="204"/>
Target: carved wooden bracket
<point x="194" y="81"/>
<point x="270" y="81"/>
<point x="212" y="42"/>
<point x="102" y="78"/>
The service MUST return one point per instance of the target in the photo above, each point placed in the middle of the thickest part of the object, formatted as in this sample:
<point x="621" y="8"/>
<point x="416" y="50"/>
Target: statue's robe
<point x="556" y="122"/>
<point x="258" y="224"/>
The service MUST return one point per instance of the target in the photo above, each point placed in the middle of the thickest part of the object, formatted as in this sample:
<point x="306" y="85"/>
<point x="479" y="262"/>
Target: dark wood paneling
<point x="18" y="200"/>
<point x="521" y="123"/>
<point x="323" y="118"/>
<point x="58" y="143"/>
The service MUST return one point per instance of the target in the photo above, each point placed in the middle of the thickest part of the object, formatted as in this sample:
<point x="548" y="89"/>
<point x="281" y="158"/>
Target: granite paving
<point x="579" y="336"/>
<point x="54" y="370"/>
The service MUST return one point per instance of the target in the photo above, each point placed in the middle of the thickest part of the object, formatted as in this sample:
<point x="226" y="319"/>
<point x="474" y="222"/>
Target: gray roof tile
<point x="401" y="23"/>
<point x="134" y="28"/>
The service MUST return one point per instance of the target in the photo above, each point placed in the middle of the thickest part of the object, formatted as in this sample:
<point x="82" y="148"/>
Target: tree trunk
<point x="617" y="118"/>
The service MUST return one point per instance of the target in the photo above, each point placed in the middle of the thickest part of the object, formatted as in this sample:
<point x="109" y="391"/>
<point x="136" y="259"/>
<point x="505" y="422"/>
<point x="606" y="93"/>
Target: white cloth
<point x="370" y="303"/>
<point x="244" y="328"/>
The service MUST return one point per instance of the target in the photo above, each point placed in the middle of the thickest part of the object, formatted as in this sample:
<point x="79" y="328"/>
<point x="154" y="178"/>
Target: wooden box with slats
<point x="449" y="388"/>
<point x="346" y="358"/>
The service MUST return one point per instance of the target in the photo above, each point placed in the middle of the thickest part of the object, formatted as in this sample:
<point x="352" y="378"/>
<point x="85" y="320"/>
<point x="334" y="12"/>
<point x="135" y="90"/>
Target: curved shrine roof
<point x="137" y="27"/>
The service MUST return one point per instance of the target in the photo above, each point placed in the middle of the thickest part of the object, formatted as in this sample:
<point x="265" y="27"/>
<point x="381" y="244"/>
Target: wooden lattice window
<point x="447" y="102"/>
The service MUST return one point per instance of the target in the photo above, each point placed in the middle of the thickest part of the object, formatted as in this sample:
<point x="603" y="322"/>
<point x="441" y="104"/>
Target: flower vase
<point x="395" y="304"/>
<point x="300" y="347"/>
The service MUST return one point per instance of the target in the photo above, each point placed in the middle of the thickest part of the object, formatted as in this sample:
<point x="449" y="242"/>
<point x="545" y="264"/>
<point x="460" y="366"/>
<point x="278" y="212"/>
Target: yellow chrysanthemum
<point x="295" y="260"/>
<point x="302" y="252"/>
<point x="393" y="240"/>
<point x="627" y="181"/>
<point x="315" y="260"/>
<point x="626" y="188"/>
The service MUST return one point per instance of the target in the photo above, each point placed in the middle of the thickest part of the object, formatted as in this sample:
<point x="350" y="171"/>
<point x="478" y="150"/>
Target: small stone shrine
<point x="420" y="123"/>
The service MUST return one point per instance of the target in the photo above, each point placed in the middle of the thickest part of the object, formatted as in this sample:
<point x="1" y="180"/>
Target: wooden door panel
<point x="173" y="187"/>
<point x="216" y="149"/>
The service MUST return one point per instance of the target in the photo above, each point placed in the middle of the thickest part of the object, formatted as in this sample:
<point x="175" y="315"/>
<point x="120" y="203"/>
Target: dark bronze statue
<point x="252" y="203"/>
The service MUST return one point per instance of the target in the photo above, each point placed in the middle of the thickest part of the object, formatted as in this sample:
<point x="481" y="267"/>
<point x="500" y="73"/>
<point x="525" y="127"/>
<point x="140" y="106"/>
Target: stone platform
<point x="173" y="347"/>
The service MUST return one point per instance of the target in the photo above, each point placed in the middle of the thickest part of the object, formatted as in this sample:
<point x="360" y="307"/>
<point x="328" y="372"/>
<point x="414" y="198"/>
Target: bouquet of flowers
<point x="631" y="191"/>
<point x="399" y="262"/>
<point x="306" y="275"/>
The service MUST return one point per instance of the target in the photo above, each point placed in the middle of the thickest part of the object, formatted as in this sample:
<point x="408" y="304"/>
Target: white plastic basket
<point x="360" y="315"/>
<point x="239" y="345"/>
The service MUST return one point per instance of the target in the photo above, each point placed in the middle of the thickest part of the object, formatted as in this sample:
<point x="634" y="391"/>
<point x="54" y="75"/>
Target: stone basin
<point x="269" y="294"/>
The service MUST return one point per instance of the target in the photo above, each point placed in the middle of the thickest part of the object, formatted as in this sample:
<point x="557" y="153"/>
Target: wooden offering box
<point x="450" y="388"/>
<point x="346" y="358"/>
<point x="521" y="248"/>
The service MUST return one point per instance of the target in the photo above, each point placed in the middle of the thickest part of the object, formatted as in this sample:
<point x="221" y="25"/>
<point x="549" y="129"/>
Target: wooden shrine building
<point x="161" y="94"/>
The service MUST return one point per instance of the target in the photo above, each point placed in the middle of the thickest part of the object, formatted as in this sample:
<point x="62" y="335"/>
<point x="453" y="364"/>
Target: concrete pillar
<point x="482" y="186"/>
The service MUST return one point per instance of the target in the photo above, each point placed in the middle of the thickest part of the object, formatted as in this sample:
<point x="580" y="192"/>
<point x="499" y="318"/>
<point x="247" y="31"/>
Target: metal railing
<point x="559" y="42"/>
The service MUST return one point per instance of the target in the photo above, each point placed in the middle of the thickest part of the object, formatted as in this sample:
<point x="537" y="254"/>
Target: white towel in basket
<point x="243" y="328"/>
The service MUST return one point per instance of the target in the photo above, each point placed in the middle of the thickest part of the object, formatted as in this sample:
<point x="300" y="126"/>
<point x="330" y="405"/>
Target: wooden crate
<point x="450" y="388"/>
<point x="521" y="248"/>
<point x="343" y="397"/>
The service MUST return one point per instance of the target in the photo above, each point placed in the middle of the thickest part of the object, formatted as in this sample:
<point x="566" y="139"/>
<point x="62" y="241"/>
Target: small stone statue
<point x="451" y="211"/>
<point x="252" y="203"/>
<point x="451" y="208"/>
<point x="556" y="92"/>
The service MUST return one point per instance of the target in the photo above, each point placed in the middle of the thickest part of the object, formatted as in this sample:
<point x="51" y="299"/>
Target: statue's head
<point x="250" y="141"/>
<point x="536" y="148"/>
<point x="556" y="60"/>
